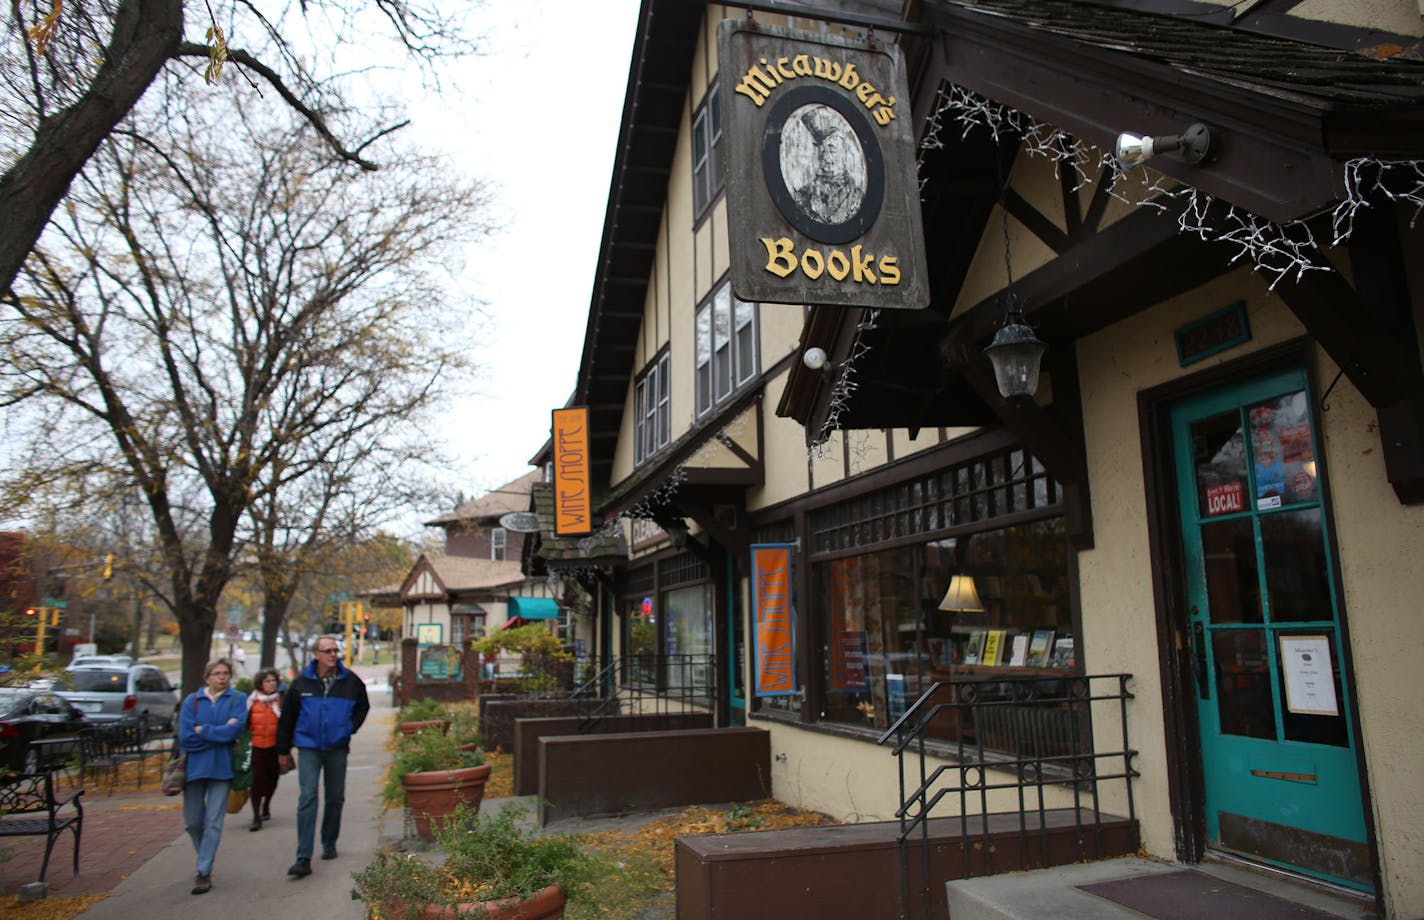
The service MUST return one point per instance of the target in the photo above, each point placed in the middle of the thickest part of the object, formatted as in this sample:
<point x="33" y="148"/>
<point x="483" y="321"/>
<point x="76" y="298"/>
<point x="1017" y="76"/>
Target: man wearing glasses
<point x="323" y="708"/>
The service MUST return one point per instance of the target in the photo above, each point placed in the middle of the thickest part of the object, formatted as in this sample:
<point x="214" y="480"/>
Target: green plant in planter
<point x="422" y="710"/>
<point x="424" y="752"/>
<point x="465" y="724"/>
<point x="488" y="858"/>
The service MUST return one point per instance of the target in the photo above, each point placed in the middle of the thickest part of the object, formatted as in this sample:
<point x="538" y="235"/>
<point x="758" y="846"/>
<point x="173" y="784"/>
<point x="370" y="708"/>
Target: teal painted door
<point x="1280" y="777"/>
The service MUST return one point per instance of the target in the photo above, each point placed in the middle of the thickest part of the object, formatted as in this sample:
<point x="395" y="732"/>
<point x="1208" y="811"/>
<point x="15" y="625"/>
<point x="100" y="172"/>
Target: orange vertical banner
<point x="573" y="498"/>
<point x="775" y="620"/>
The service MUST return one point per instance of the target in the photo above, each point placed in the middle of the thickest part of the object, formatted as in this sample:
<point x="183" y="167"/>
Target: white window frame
<point x="499" y="543"/>
<point x="728" y="347"/>
<point x="652" y="417"/>
<point x="706" y="147"/>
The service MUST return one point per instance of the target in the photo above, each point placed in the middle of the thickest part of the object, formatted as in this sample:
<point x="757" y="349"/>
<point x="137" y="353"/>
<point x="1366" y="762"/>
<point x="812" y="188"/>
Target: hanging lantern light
<point x="1016" y="354"/>
<point x="1015" y="351"/>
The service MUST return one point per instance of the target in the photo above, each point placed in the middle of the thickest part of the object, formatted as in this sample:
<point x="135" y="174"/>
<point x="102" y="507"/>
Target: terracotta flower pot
<point x="434" y="795"/>
<point x="546" y="905"/>
<point x="470" y="746"/>
<point x="411" y="728"/>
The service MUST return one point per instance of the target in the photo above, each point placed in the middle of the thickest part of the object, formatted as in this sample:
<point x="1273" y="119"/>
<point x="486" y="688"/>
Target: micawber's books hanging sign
<point x="822" y="190"/>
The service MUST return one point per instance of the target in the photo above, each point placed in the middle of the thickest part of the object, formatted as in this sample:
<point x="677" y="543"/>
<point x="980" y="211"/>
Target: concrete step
<point x="1056" y="892"/>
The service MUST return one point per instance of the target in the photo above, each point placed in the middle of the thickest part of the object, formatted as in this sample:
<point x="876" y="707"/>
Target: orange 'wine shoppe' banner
<point x="573" y="500"/>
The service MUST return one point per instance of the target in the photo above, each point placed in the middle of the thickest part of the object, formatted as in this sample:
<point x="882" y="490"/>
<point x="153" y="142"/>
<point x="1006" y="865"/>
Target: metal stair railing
<point x="1036" y="731"/>
<point x="656" y="685"/>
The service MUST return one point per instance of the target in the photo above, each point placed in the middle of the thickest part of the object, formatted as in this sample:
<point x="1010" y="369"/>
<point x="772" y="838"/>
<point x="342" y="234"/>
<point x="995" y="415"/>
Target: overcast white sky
<point x="538" y="115"/>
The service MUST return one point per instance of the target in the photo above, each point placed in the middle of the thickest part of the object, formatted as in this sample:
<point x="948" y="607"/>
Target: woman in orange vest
<point x="264" y="707"/>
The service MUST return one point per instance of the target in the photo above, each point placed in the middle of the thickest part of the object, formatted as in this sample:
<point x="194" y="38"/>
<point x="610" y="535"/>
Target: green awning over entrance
<point x="533" y="608"/>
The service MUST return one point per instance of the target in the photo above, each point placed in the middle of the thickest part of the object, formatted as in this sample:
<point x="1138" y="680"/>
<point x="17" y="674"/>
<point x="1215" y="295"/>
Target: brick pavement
<point x="122" y="831"/>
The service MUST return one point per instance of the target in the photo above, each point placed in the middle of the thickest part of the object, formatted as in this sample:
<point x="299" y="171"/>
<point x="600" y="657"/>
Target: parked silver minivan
<point x="107" y="692"/>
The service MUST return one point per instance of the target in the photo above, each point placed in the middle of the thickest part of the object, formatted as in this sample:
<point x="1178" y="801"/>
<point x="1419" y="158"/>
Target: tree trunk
<point x="146" y="34"/>
<point x="196" y="632"/>
<point x="274" y="621"/>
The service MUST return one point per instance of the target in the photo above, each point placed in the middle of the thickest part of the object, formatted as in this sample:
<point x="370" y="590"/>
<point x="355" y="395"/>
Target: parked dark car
<point x="29" y="715"/>
<point x="106" y="693"/>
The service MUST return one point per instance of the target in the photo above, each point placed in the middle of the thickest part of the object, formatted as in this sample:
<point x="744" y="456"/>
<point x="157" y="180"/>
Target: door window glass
<point x="1284" y="451"/>
<point x="688" y="624"/>
<point x="1219" y="455"/>
<point x="1243" y="685"/>
<point x="1307" y="715"/>
<point x="1229" y="558"/>
<point x="1297" y="579"/>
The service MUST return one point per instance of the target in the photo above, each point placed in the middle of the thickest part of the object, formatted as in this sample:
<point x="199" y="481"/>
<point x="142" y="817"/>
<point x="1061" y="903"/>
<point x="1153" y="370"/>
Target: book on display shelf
<point x="974" y="651"/>
<point x="993" y="647"/>
<point x="1063" y="653"/>
<point x="1039" y="647"/>
<point x="1019" y="656"/>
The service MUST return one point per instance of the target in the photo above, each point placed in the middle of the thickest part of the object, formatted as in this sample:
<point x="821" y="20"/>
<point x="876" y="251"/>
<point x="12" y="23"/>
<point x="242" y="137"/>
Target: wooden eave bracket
<point x="1038" y="430"/>
<point x="1368" y="331"/>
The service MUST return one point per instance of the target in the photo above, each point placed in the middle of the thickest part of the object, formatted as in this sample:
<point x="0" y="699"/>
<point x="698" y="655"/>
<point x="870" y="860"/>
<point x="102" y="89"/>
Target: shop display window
<point x="993" y="604"/>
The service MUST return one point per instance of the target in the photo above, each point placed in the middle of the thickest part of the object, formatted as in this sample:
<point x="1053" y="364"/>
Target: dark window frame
<point x="707" y="181"/>
<point x="652" y="408"/>
<point x="711" y="388"/>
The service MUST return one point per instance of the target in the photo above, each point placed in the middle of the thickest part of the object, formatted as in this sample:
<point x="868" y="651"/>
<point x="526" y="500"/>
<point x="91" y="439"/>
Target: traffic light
<point x="54" y="616"/>
<point x="32" y="611"/>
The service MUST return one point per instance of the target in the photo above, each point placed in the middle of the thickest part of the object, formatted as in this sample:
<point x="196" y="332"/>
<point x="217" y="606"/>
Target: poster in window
<point x="847" y="635"/>
<point x="774" y="618"/>
<point x="1310" y="675"/>
<point x="895" y="695"/>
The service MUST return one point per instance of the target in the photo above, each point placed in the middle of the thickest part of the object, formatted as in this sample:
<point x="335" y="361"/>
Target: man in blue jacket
<point x="323" y="708"/>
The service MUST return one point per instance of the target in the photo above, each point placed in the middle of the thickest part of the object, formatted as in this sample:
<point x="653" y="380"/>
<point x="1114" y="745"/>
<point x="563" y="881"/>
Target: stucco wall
<point x="1379" y="543"/>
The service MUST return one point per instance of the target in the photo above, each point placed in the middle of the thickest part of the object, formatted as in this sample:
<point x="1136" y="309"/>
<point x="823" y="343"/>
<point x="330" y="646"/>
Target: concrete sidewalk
<point x="250" y="873"/>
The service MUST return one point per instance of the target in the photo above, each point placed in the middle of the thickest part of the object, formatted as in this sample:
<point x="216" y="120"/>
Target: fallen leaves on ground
<point x="501" y="779"/>
<point x="48" y="908"/>
<point x="131" y="776"/>
<point x="641" y="862"/>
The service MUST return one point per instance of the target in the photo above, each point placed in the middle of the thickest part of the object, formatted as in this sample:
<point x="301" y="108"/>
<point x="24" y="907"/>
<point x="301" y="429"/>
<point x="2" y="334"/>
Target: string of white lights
<point x="844" y="386"/>
<point x="1275" y="250"/>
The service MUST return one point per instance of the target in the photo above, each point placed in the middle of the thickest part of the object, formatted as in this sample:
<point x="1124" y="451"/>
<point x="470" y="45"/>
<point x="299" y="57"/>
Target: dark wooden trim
<point x="805" y="623"/>
<point x="1062" y="365"/>
<point x="1146" y="245"/>
<point x="649" y="477"/>
<point x="1276" y="165"/>
<point x="1072" y="204"/>
<point x="1378" y="267"/>
<point x="949" y="453"/>
<point x="1038" y="223"/>
<point x="1382" y="368"/>
<point x="1039" y="431"/>
<point x="1272" y="18"/>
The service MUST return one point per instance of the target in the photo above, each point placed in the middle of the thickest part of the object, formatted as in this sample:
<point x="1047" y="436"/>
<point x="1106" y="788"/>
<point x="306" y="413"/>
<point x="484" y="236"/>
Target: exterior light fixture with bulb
<point x="1194" y="144"/>
<point x="816" y="359"/>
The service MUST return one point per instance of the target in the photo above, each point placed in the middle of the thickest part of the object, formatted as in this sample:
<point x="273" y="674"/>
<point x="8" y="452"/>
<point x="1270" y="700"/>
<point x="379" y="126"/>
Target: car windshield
<point x="94" y="681"/>
<point x="13" y="703"/>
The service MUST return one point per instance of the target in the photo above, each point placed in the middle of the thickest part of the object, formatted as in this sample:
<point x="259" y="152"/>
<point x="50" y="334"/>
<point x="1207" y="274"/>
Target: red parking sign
<point x="233" y="631"/>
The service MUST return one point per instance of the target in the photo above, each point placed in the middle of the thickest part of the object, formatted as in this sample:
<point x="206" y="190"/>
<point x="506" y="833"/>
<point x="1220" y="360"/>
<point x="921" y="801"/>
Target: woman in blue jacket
<point x="208" y="724"/>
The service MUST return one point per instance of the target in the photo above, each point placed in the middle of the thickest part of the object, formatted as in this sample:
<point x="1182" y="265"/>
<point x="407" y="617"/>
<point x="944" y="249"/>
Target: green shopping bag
<point x="242" y="762"/>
